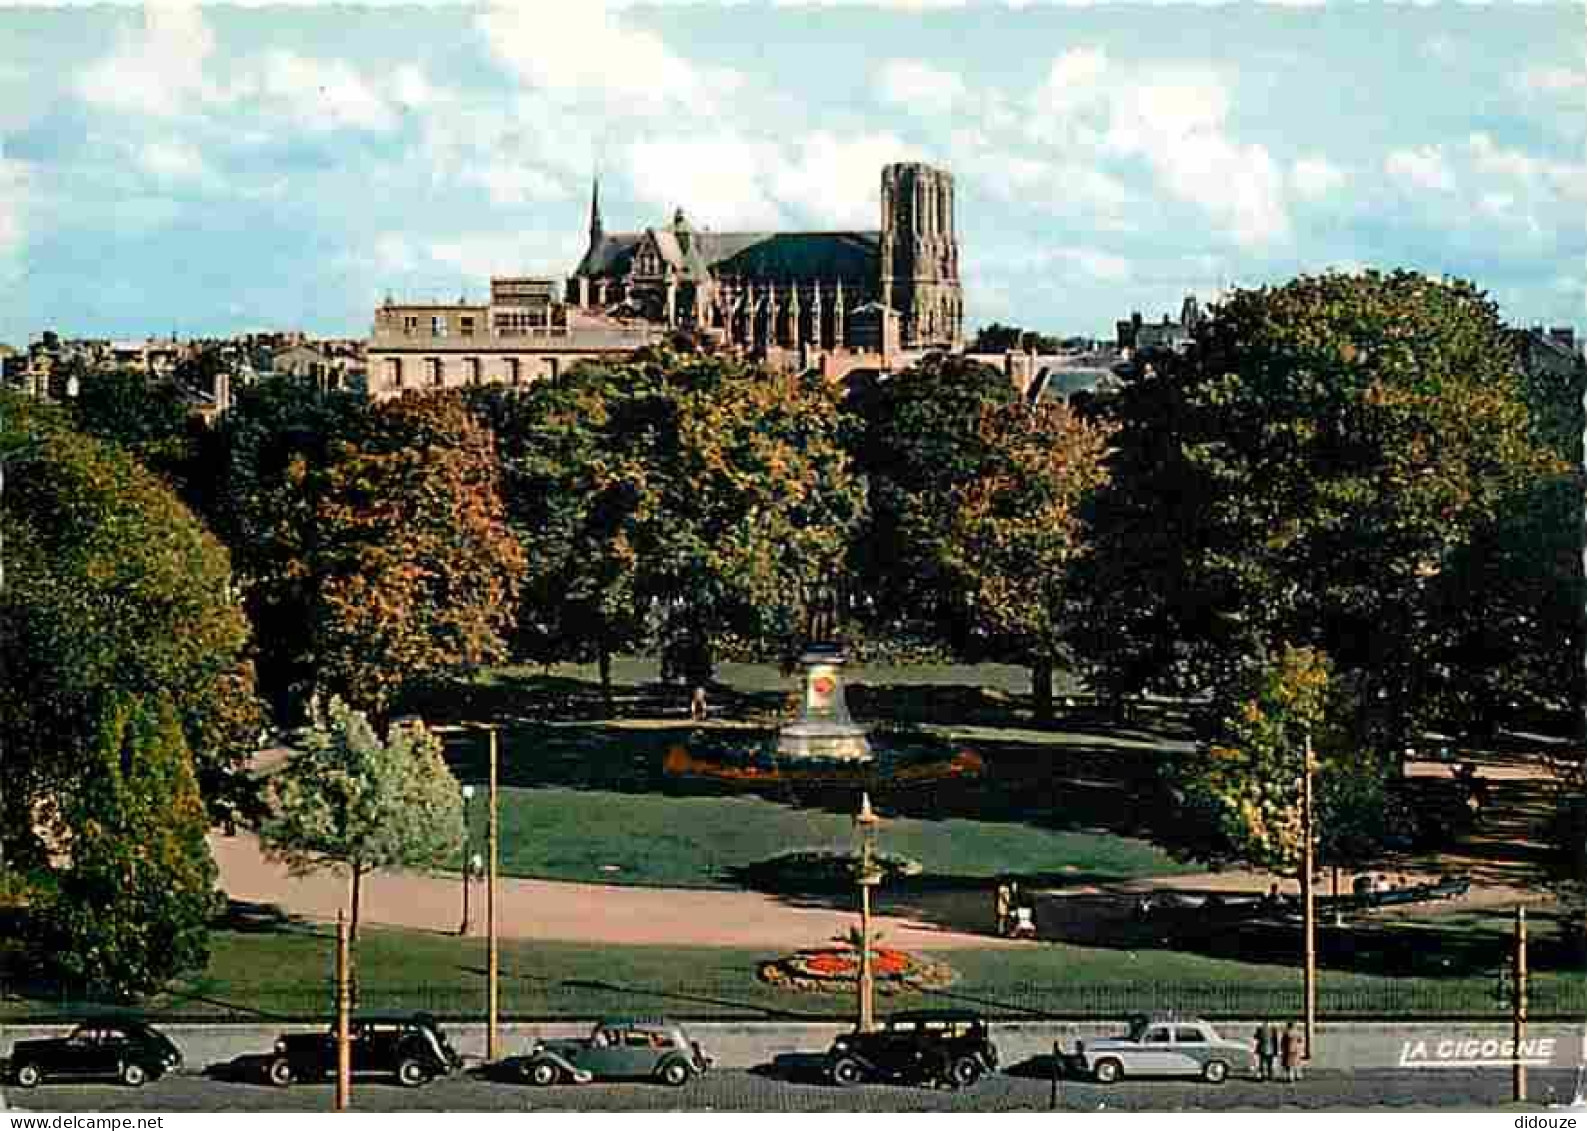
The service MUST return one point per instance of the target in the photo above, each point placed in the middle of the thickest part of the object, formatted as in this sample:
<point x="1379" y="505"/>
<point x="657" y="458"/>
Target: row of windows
<point x="440" y="325"/>
<point x="431" y="372"/>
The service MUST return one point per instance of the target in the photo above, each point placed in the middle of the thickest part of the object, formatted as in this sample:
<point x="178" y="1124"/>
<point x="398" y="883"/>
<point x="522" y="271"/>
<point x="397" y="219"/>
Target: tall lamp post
<point x="471" y="861"/>
<point x="1308" y="895"/>
<point x="869" y="876"/>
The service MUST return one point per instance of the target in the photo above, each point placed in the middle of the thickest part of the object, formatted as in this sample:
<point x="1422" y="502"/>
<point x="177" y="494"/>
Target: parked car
<point x="921" y="1047"/>
<point x="129" y="1051"/>
<point x="414" y="1050"/>
<point x="616" y="1049"/>
<point x="1164" y="1045"/>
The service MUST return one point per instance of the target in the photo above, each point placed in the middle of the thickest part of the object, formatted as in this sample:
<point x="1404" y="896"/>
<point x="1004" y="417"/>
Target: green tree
<point x="259" y="478"/>
<point x="348" y="799"/>
<point x="112" y="587"/>
<point x="1239" y="797"/>
<point x="146" y="416"/>
<point x="132" y="906"/>
<point x="1308" y="472"/>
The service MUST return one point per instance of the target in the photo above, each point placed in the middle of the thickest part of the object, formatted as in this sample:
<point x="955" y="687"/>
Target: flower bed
<point x="837" y="970"/>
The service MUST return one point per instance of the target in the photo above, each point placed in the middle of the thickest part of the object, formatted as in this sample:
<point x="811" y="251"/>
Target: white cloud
<point x="720" y="181"/>
<point x="507" y="183"/>
<point x="1423" y="168"/>
<point x="919" y="87"/>
<point x="1095" y="113"/>
<point x="172" y="160"/>
<point x="1097" y="264"/>
<point x="320" y="95"/>
<point x="13" y="194"/>
<point x="1315" y="177"/>
<point x="1554" y="80"/>
<point x="836" y="181"/>
<point x="589" y="53"/>
<point x="157" y="70"/>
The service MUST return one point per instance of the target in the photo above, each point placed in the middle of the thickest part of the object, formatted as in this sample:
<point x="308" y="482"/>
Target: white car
<point x="1164" y="1046"/>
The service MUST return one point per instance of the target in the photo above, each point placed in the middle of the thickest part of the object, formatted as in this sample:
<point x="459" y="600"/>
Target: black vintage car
<point x="414" y="1050"/>
<point x="923" y="1047"/>
<point x="114" y="1049"/>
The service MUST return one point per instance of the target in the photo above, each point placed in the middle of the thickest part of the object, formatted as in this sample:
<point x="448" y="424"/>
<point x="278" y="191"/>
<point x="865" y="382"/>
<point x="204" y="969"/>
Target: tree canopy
<point x="1308" y="472"/>
<point x="349" y="799"/>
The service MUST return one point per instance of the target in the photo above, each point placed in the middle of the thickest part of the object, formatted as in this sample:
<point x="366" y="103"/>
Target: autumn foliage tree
<point x="416" y="571"/>
<point x="974" y="525"/>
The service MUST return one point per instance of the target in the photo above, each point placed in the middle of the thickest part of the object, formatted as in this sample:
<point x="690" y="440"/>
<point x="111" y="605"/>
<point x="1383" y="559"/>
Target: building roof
<point x="776" y="257"/>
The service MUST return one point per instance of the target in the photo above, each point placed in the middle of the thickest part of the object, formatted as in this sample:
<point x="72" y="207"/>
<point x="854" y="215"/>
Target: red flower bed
<point x="836" y="968"/>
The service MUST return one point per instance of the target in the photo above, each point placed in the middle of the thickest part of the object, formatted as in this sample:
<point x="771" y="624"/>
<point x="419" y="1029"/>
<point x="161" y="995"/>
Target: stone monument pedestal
<point x="823" y="728"/>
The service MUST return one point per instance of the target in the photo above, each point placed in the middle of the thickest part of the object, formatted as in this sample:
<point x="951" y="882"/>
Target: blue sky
<point x="217" y="169"/>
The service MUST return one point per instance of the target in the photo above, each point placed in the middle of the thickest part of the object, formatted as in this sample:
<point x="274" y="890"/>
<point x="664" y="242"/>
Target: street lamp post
<point x="869" y="876"/>
<point x="1308" y="897"/>
<point x="472" y="862"/>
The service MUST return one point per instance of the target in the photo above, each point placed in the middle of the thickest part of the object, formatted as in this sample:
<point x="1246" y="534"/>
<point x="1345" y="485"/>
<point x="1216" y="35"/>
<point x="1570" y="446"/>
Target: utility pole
<point x="1308" y="898"/>
<point x="1518" y="1008"/>
<point x="493" y="961"/>
<point x="344" y="1048"/>
<point x="869" y="877"/>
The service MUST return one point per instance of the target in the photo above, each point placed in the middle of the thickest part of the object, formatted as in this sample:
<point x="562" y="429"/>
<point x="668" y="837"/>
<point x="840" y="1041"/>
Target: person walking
<point x="1004" y="906"/>
<point x="1256" y="1050"/>
<point x="1291" y="1053"/>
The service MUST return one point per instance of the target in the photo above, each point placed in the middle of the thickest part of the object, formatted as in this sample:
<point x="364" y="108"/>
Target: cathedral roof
<point x="761" y="256"/>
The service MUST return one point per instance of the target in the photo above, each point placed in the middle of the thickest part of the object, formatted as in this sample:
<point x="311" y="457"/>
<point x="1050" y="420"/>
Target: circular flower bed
<point x="837" y="969"/>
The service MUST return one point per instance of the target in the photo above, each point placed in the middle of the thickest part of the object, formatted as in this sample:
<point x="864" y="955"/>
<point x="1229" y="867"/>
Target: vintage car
<point x="414" y="1050"/>
<point x="616" y="1049"/>
<point x="921" y="1047"/>
<point x="129" y="1051"/>
<point x="1163" y="1045"/>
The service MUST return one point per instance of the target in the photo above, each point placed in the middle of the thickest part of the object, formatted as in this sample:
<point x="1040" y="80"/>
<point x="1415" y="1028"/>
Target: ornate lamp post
<point x="471" y="863"/>
<point x="870" y="875"/>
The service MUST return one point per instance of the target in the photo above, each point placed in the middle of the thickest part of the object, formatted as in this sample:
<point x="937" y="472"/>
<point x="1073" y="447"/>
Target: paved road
<point x="792" y="1090"/>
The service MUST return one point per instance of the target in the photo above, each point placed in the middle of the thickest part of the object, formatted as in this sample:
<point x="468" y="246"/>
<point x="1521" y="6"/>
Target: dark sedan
<point x="129" y="1051"/>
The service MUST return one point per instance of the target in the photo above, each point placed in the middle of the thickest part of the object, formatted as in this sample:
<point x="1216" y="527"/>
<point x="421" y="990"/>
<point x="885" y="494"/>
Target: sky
<point x="211" y="170"/>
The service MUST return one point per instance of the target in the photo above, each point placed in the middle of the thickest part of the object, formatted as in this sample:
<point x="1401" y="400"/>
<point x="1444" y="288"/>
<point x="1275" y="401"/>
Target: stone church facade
<point x="771" y="291"/>
<point x="830" y="302"/>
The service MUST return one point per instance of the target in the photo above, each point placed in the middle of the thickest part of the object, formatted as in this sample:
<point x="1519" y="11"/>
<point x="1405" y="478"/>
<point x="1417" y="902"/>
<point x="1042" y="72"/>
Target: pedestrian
<point x="1291" y="1052"/>
<point x="698" y="709"/>
<point x="1262" y="1063"/>
<point x="1003" y="906"/>
<point x="1267" y="1050"/>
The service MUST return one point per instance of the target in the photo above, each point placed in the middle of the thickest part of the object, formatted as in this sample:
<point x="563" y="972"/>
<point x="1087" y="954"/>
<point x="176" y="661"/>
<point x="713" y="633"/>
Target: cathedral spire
<point x="595" y="211"/>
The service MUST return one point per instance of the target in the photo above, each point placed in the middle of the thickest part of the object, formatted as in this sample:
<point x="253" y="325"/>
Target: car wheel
<point x="411" y="1074"/>
<point x="964" y="1072"/>
<point x="280" y="1073"/>
<point x="1215" y="1072"/>
<point x="846" y="1072"/>
<point x="133" y="1075"/>
<point x="1107" y="1071"/>
<point x="27" y="1075"/>
<point x="541" y="1073"/>
<point x="675" y="1073"/>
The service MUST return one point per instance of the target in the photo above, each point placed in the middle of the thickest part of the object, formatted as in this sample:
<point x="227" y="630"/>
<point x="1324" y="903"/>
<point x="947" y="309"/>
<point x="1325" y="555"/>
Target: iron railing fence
<point x="1551" y="997"/>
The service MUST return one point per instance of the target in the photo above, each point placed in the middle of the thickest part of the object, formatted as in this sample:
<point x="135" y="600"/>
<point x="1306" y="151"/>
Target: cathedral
<point x="892" y="288"/>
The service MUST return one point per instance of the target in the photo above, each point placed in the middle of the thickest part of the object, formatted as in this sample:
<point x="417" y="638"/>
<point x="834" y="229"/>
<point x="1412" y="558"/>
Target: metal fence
<point x="1551" y="997"/>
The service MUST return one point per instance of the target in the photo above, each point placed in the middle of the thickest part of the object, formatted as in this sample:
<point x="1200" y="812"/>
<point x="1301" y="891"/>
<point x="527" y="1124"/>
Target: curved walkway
<point x="544" y="909"/>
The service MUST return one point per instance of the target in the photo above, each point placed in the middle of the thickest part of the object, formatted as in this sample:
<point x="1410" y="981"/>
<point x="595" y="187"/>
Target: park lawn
<point x="673" y="841"/>
<point x="286" y="974"/>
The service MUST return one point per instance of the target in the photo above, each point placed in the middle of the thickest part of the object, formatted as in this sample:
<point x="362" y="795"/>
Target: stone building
<point x="769" y="291"/>
<point x="522" y="335"/>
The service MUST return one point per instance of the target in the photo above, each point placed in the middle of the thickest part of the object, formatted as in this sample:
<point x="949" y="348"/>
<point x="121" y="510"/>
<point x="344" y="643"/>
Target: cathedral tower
<point x="920" y="255"/>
